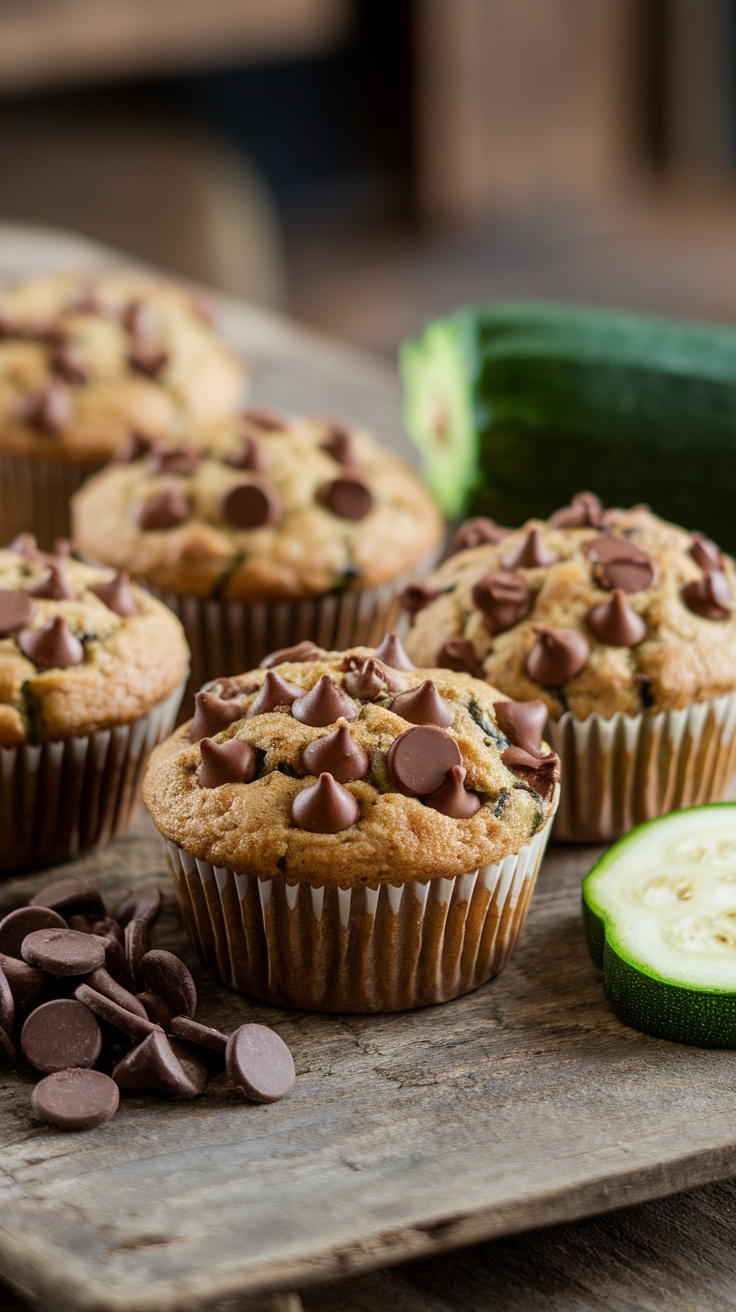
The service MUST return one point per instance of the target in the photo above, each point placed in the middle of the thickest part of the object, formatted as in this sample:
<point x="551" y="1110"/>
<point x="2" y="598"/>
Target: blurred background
<point x="367" y="164"/>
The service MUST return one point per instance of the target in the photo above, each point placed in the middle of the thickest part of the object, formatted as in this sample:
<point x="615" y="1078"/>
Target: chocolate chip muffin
<point x="281" y="530"/>
<point x="92" y="670"/>
<point x="350" y="833"/>
<point x="87" y="361"/>
<point x="623" y="626"/>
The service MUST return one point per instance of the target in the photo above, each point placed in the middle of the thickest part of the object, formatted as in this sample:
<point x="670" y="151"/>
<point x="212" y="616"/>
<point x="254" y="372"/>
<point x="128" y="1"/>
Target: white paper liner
<point x="619" y="772"/>
<point x="35" y="495"/>
<point x="362" y="949"/>
<point x="59" y="799"/>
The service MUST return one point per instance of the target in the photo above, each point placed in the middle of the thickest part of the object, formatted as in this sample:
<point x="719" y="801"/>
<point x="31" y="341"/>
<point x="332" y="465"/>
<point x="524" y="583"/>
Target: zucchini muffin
<point x="91" y="676"/>
<point x="349" y="833"/>
<point x="87" y="362"/>
<point x="282" y="530"/>
<point x="624" y="627"/>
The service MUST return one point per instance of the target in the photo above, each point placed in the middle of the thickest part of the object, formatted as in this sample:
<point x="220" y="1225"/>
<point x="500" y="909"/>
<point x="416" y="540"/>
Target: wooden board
<point x="523" y="1104"/>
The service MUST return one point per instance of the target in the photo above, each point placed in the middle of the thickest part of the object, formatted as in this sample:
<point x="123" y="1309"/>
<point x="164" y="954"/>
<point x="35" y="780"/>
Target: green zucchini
<point x="517" y="406"/>
<point x="660" y="919"/>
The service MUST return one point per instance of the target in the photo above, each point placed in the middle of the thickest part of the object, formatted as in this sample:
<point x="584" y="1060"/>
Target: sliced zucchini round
<point x="660" y="918"/>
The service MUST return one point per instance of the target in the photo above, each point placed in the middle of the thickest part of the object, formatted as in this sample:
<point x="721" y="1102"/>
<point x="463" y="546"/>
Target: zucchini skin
<point x="637" y="407"/>
<point x="699" y="1017"/>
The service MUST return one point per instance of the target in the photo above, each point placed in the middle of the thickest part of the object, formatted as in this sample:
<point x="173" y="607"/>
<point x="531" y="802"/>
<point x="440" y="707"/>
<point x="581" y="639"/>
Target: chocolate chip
<point x="269" y="421"/>
<point x="259" y="1064"/>
<point x="63" y="951"/>
<point x="459" y="654"/>
<point x="140" y="320"/>
<point x="130" y="1022"/>
<point x="585" y="511"/>
<point x="251" y="505"/>
<point x="18" y="924"/>
<point x="705" y="553"/>
<point x="418" y="760"/>
<point x="275" y="694"/>
<point x="70" y="897"/>
<point x="540" y="770"/>
<point x="522" y="722"/>
<point x="7" y="1003"/>
<point x="337" y="754"/>
<point x="477" y="532"/>
<point x="60" y="1034"/>
<point x="174" y="460"/>
<point x="16" y="610"/>
<point x="8" y="1054"/>
<point x="52" y="647"/>
<point x="367" y="678"/>
<point x="503" y="598"/>
<point x="324" y="704"/>
<point x="54" y="586"/>
<point x="340" y="444"/>
<point x="26" y="983"/>
<point x="709" y="597"/>
<point x="157" y="1010"/>
<point x="116" y="595"/>
<point x="102" y="982"/>
<point x="233" y="762"/>
<point x="137" y="944"/>
<point x="151" y="361"/>
<point x="452" y="798"/>
<point x="164" y="509"/>
<point x="251" y="455"/>
<point x="303" y="651"/>
<point x="212" y="714"/>
<point x="68" y="362"/>
<point x="137" y="446"/>
<point x="423" y="705"/>
<point x="182" y="1027"/>
<point x="346" y="497"/>
<point x="325" y="807"/>
<point x="155" y="1065"/>
<point x="165" y="975"/>
<point x="615" y="623"/>
<point x="557" y="656"/>
<point x="51" y="409"/>
<point x="530" y="553"/>
<point x="417" y="596"/>
<point x="618" y="563"/>
<point x="392" y="653"/>
<point x="76" y="1099"/>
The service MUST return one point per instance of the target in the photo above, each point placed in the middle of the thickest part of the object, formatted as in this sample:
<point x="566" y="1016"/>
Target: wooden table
<point x="523" y="1105"/>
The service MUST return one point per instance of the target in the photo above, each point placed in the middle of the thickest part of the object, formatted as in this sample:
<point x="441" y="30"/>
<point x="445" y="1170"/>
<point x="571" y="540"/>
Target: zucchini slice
<point x="660" y="919"/>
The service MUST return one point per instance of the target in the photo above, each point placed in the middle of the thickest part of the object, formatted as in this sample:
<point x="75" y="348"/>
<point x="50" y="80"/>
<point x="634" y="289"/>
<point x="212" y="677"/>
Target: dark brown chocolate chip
<point x="157" y="1010"/>
<point x="122" y="1018"/>
<point x="459" y="654"/>
<point x="26" y="983"/>
<point x="392" y="653"/>
<point x="337" y="754"/>
<point x="16" y="610"/>
<point x="137" y="944"/>
<point x="709" y="597"/>
<point x="212" y="714"/>
<point x="705" y="553"/>
<point x="155" y="1066"/>
<point x="7" y="1003"/>
<point x="182" y="1027"/>
<point x="233" y="762"/>
<point x="423" y="705"/>
<point x="417" y="596"/>
<point x="346" y="497"/>
<point x="557" y="656"/>
<point x="102" y="982"/>
<point x="17" y="925"/>
<point x="251" y="455"/>
<point x="68" y="362"/>
<point x="303" y="651"/>
<point x="70" y="897"/>
<point x="325" y="807"/>
<point x="52" y="647"/>
<point x="251" y="505"/>
<point x="522" y="722"/>
<point x="116" y="595"/>
<point x="540" y="770"/>
<point x="164" y="509"/>
<point x="173" y="460"/>
<point x="477" y="532"/>
<point x="8" y="1054"/>
<point x="144" y="905"/>
<point x="116" y="962"/>
<point x="165" y="975"/>
<point x="324" y="704"/>
<point x="615" y="623"/>
<point x="503" y="598"/>
<point x="76" y="1099"/>
<point x="51" y="409"/>
<point x="54" y="586"/>
<point x="452" y="798"/>
<point x="585" y="511"/>
<point x="275" y="694"/>
<point x="269" y="421"/>
<point x="367" y="677"/>
<point x="619" y="563"/>
<point x="530" y="553"/>
<point x="418" y="760"/>
<point x="340" y="444"/>
<point x="259" y="1064"/>
<point x="63" y="951"/>
<point x="60" y="1034"/>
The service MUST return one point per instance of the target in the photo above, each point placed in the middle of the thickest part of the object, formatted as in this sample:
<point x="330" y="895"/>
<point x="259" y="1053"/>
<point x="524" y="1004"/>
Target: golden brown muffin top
<point x="86" y="359"/>
<point x="276" y="508"/>
<point x="80" y="648"/>
<point x="340" y="768"/>
<point x="594" y="611"/>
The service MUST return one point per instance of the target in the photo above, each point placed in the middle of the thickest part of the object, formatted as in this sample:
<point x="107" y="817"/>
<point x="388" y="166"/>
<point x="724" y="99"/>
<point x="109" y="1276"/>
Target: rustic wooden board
<point x="523" y="1104"/>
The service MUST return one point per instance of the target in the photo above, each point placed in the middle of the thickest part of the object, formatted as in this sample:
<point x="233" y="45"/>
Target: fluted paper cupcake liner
<point x="35" y="495"/>
<point x="228" y="637"/>
<point x="59" y="799"/>
<point x="362" y="949"/>
<point x="617" y="773"/>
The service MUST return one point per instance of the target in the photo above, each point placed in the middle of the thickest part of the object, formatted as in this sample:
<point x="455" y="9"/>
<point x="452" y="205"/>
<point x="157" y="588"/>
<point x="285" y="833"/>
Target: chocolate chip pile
<point x="95" y="1009"/>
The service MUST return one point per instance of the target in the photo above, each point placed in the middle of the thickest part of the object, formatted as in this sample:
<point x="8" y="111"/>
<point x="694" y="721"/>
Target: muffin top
<point x="594" y="611"/>
<point x="80" y="648"/>
<point x="86" y="360"/>
<point x="275" y="508"/>
<point x="350" y="768"/>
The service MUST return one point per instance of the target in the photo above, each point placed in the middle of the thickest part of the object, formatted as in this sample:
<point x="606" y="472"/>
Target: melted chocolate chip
<point x="585" y="511"/>
<point x="530" y="553"/>
<point x="212" y="714"/>
<point x="16" y="611"/>
<point x="116" y="595"/>
<point x="164" y="509"/>
<point x="53" y="647"/>
<point x="503" y="598"/>
<point x="452" y="798"/>
<point x="233" y="762"/>
<point x="303" y="651"/>
<point x="709" y="597"/>
<point x="251" y="505"/>
<point x="540" y="770"/>
<point x="324" y="704"/>
<point x="557" y="656"/>
<point x="338" y="755"/>
<point x="325" y="807"/>
<point x="459" y="654"/>
<point x="615" y="623"/>
<point x="392" y="653"/>
<point x="418" y="760"/>
<point x="276" y="693"/>
<point x="478" y="531"/>
<point x="522" y="722"/>
<point x="346" y="497"/>
<point x="423" y="705"/>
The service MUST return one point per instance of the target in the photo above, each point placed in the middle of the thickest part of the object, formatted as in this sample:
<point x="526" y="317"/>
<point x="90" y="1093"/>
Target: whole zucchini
<point x="516" y="406"/>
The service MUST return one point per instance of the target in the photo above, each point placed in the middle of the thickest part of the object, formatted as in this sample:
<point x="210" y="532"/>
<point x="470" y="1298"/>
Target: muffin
<point x="282" y="530"/>
<point x="349" y="833"/>
<point x="92" y="671"/>
<point x="623" y="628"/>
<point x="87" y="361"/>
